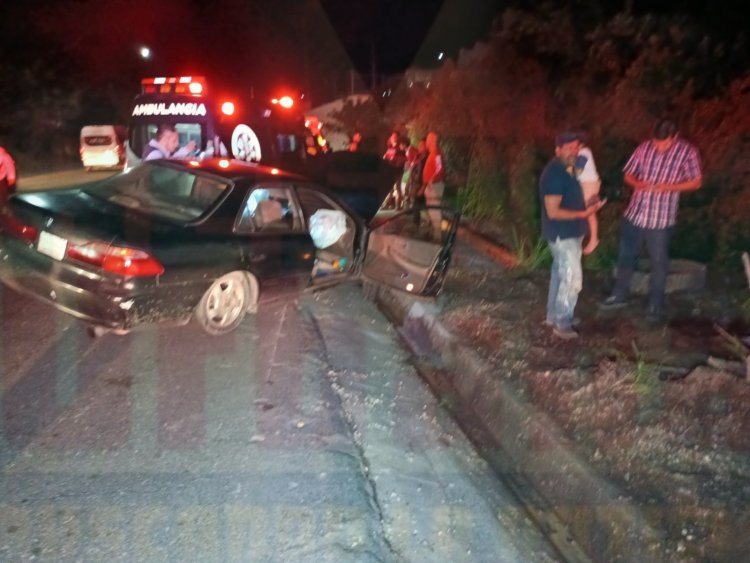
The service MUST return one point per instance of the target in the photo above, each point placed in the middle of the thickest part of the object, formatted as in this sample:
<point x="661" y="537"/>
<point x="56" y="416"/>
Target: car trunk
<point x="79" y="217"/>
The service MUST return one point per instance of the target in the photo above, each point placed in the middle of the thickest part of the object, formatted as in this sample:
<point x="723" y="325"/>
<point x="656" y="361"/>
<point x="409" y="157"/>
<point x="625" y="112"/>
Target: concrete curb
<point x="486" y="246"/>
<point x="601" y="519"/>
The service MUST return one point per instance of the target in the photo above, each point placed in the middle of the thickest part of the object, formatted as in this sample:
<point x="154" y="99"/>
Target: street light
<point x="440" y="55"/>
<point x="145" y="53"/>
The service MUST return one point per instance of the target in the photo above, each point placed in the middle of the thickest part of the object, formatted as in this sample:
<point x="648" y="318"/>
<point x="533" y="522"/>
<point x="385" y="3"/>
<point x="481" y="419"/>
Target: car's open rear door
<point x="407" y="251"/>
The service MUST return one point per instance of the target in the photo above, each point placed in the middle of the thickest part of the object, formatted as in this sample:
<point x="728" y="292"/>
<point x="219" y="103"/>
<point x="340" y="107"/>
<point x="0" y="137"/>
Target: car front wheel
<point x="223" y="306"/>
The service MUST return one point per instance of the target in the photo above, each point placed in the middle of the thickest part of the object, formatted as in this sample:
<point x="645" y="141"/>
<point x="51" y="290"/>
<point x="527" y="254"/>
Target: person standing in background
<point x="414" y="189"/>
<point x="7" y="176"/>
<point x="564" y="217"/>
<point x="356" y="140"/>
<point x="433" y="180"/>
<point x="391" y="148"/>
<point x="658" y="171"/>
<point x="407" y="199"/>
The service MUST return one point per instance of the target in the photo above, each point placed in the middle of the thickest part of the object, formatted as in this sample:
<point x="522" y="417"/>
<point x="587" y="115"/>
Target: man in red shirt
<point x="7" y="176"/>
<point x="433" y="184"/>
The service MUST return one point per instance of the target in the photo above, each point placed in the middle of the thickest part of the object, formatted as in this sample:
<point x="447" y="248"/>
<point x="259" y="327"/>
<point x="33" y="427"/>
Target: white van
<point x="103" y="146"/>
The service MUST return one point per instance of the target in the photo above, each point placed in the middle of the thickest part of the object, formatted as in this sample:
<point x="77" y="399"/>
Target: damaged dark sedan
<point x="208" y="240"/>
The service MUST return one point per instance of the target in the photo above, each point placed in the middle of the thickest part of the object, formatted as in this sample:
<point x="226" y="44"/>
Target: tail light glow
<point x="195" y="88"/>
<point x="14" y="227"/>
<point x="120" y="260"/>
<point x="227" y="108"/>
<point x="286" y="102"/>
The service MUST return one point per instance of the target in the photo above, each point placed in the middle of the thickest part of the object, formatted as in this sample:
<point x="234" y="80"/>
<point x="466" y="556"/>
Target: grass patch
<point x="531" y="255"/>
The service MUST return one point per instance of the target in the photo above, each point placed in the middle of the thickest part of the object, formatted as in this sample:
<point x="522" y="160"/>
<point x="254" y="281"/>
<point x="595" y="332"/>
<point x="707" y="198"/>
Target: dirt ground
<point x="640" y="401"/>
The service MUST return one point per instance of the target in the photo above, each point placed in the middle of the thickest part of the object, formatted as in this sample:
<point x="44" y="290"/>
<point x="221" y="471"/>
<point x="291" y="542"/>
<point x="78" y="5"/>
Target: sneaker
<point x="613" y="302"/>
<point x="565" y="333"/>
<point x="576" y="322"/>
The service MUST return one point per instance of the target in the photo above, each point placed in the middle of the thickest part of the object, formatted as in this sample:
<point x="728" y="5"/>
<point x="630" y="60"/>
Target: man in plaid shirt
<point x="658" y="171"/>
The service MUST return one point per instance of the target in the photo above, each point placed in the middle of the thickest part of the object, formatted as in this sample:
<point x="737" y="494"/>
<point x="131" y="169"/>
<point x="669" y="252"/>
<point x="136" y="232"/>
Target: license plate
<point x="52" y="245"/>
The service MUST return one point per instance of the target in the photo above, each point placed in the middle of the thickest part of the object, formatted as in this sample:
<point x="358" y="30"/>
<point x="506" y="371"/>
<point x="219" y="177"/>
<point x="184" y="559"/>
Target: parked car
<point x="169" y="241"/>
<point x="103" y="146"/>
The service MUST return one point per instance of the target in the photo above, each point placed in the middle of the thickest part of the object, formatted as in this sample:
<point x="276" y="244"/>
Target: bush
<point x="524" y="205"/>
<point x="483" y="195"/>
<point x="694" y="236"/>
<point x="539" y="74"/>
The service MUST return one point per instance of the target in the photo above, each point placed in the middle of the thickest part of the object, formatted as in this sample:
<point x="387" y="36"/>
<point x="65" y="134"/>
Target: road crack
<point x="356" y="439"/>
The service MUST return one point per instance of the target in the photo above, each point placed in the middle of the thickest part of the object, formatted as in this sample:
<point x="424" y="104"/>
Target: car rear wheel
<point x="222" y="308"/>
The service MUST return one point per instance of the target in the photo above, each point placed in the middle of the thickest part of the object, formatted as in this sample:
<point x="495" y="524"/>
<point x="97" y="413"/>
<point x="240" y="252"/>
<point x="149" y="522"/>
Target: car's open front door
<point x="411" y="249"/>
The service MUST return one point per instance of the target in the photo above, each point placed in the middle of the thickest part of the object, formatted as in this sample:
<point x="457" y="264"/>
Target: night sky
<point x="389" y="34"/>
<point x="406" y="33"/>
<point x="304" y="43"/>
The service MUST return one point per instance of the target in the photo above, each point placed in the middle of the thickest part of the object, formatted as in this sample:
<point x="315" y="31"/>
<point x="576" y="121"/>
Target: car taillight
<point x="121" y="260"/>
<point x="13" y="226"/>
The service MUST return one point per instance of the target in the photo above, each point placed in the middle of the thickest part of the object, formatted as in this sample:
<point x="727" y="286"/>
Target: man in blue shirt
<point x="564" y="224"/>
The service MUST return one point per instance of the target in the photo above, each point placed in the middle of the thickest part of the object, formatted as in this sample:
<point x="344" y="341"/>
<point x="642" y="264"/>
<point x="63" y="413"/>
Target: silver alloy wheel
<point x="223" y="306"/>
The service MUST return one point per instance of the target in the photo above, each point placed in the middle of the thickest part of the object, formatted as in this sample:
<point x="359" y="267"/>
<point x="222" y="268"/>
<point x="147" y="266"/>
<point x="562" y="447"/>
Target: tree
<point x="544" y="71"/>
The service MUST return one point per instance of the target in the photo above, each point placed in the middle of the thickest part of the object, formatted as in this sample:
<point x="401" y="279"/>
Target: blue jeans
<point x="566" y="280"/>
<point x="657" y="243"/>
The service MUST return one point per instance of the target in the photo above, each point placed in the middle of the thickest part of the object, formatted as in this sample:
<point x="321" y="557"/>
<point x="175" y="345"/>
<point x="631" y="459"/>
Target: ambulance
<point x="271" y="131"/>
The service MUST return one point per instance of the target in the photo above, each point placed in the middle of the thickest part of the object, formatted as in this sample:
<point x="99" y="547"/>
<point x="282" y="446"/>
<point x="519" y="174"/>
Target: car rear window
<point x="162" y="191"/>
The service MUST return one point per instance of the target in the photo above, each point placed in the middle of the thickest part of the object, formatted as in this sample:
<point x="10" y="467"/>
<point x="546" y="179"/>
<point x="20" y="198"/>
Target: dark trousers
<point x="657" y="244"/>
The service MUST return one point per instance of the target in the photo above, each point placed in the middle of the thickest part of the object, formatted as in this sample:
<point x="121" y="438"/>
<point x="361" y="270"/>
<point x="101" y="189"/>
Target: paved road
<point x="306" y="435"/>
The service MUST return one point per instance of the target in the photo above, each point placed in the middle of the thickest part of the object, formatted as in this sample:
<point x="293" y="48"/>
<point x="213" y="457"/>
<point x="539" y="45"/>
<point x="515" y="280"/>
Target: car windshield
<point x="163" y="191"/>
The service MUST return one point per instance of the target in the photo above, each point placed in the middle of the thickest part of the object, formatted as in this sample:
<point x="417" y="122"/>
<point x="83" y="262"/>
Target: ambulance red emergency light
<point x="253" y="130"/>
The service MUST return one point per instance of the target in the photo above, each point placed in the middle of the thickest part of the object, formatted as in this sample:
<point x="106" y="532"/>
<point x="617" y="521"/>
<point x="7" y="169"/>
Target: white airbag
<point x="327" y="226"/>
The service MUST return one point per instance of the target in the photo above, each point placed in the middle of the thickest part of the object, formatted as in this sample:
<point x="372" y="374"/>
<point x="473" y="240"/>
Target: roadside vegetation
<point x="662" y="411"/>
<point x="557" y="65"/>
<point x="499" y="105"/>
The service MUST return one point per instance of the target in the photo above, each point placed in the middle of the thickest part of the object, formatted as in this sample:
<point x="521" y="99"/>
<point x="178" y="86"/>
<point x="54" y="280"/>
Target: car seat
<point x="269" y="213"/>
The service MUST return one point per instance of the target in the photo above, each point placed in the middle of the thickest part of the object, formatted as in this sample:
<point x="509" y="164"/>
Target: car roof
<point x="364" y="199"/>
<point x="231" y="169"/>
